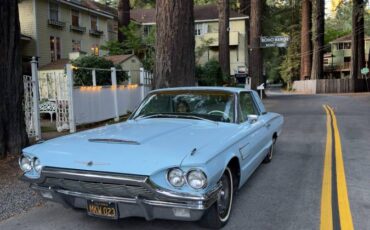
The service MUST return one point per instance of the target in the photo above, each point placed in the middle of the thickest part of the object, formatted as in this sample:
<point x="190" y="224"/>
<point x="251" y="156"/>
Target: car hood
<point x="141" y="147"/>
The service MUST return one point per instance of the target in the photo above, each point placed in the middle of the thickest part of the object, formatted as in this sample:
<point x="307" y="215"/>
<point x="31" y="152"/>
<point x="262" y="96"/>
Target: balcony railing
<point x="345" y="66"/>
<point x="96" y="33"/>
<point x="56" y="23"/>
<point x="78" y="29"/>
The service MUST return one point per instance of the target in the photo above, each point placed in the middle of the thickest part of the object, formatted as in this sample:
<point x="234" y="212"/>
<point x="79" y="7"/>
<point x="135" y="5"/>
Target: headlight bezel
<point x="37" y="166"/>
<point x="185" y="178"/>
<point x="21" y="164"/>
<point x="182" y="177"/>
<point x="34" y="164"/>
<point x="201" y="172"/>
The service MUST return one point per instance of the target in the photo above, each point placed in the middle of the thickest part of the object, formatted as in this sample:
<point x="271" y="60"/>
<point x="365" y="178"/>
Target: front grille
<point x="99" y="188"/>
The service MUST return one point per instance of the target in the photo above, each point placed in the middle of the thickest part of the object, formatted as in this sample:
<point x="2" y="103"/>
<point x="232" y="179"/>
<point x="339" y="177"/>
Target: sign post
<point x="261" y="88"/>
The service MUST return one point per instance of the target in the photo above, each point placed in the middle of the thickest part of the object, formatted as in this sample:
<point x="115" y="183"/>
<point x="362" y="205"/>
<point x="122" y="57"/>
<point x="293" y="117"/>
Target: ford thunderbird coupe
<point x="181" y="156"/>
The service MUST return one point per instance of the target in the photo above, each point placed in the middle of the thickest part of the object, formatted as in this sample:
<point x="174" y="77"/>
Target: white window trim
<point x="54" y="2"/>
<point x="80" y="40"/>
<point x="97" y="21"/>
<point x="55" y="47"/>
<point x="202" y="27"/>
<point x="79" y="17"/>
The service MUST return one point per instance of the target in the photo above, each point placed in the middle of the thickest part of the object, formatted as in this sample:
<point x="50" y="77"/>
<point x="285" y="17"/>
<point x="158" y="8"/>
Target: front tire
<point x="268" y="157"/>
<point x="219" y="213"/>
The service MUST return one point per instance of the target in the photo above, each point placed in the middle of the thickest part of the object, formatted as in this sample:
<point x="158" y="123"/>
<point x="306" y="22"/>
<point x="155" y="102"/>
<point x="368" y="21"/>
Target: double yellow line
<point x="343" y="210"/>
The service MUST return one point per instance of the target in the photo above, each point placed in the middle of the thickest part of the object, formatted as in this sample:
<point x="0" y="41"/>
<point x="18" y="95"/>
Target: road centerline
<point x="342" y="193"/>
<point x="326" y="220"/>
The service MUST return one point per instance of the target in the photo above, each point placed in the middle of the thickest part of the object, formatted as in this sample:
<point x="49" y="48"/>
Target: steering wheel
<point x="225" y="116"/>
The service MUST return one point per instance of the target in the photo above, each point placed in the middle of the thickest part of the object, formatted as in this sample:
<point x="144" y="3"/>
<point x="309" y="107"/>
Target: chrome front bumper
<point x="134" y="195"/>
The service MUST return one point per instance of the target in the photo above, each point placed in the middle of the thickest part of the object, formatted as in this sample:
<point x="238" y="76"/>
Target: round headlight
<point x="176" y="177"/>
<point x="197" y="179"/>
<point x="25" y="164"/>
<point x="37" y="165"/>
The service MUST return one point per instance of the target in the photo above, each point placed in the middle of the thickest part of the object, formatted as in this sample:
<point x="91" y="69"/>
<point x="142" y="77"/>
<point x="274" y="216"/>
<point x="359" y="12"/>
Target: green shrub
<point x="83" y="77"/>
<point x="210" y="74"/>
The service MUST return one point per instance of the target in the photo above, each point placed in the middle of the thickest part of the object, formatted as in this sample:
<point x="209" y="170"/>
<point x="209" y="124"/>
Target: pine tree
<point x="175" y="44"/>
<point x="223" y="36"/>
<point x="13" y="136"/>
<point x="306" y="46"/>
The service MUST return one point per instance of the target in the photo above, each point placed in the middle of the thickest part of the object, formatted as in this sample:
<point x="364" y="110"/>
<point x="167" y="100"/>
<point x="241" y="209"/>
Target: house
<point x="128" y="62"/>
<point x="54" y="28"/>
<point x="206" y="34"/>
<point x="337" y="64"/>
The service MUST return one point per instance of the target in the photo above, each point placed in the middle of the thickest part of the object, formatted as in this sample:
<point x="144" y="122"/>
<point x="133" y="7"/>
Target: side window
<point x="247" y="106"/>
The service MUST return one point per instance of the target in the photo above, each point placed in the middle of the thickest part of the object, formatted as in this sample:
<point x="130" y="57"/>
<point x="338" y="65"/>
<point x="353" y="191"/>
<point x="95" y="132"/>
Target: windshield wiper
<point x="175" y="116"/>
<point x="154" y="115"/>
<point x="198" y="118"/>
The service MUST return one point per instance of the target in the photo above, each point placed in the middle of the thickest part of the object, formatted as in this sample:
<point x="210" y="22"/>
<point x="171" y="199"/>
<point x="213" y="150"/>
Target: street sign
<point x="274" y="41"/>
<point x="364" y="71"/>
<point x="261" y="87"/>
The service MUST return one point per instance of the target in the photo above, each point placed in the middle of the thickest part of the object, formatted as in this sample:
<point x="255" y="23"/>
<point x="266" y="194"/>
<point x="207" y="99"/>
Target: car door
<point x="254" y="132"/>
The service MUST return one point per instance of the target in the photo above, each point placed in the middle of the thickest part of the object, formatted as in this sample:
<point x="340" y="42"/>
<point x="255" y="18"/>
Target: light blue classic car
<point x="181" y="155"/>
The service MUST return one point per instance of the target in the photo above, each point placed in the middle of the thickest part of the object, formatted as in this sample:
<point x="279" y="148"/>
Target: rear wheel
<point x="219" y="213"/>
<point x="268" y="157"/>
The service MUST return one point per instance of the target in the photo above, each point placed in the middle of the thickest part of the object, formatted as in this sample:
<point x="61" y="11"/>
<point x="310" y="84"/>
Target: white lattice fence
<point x="29" y="106"/>
<point x="62" y="101"/>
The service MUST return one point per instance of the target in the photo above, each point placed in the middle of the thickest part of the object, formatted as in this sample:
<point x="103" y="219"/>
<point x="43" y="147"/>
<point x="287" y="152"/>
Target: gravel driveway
<point x="15" y="195"/>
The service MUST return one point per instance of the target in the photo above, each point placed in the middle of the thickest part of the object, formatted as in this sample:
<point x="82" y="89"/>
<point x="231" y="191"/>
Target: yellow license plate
<point x="102" y="209"/>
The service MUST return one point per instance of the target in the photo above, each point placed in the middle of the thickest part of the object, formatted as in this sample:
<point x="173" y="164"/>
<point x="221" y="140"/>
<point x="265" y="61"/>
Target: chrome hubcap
<point x="223" y="199"/>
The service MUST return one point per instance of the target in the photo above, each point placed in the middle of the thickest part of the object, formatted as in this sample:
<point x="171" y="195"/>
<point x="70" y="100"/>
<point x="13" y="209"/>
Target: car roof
<point x="204" y="88"/>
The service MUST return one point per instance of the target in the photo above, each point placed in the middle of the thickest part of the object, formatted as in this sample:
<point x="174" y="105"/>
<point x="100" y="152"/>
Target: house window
<point x="343" y="46"/>
<point x="94" y="22"/>
<point x="53" y="11"/>
<point x="347" y="59"/>
<point x="201" y="28"/>
<point x="95" y="50"/>
<point x="54" y="48"/>
<point x="347" y="46"/>
<point x="326" y="61"/>
<point x="76" y="45"/>
<point x="75" y="18"/>
<point x="147" y="30"/>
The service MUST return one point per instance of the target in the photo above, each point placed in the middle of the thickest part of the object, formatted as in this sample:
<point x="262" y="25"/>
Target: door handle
<point x="267" y="125"/>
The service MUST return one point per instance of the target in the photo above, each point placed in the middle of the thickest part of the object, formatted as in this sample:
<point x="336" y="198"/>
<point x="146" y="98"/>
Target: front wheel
<point x="219" y="213"/>
<point x="268" y="157"/>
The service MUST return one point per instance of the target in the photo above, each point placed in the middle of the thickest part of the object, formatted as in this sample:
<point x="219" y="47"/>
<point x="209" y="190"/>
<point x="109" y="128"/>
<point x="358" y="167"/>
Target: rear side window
<point x="247" y="106"/>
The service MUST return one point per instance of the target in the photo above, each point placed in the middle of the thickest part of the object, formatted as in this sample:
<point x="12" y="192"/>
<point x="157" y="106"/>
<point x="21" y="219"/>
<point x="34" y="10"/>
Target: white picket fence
<point x="75" y="105"/>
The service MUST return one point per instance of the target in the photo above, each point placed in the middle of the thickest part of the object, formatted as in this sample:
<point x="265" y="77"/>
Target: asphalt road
<point x="285" y="194"/>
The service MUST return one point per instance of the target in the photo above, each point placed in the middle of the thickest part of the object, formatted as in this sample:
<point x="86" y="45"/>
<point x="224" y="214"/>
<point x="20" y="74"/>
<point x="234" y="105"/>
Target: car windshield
<point x="206" y="105"/>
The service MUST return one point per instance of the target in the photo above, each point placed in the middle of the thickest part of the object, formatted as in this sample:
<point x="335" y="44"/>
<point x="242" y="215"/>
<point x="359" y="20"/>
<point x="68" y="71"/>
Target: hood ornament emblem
<point x="91" y="163"/>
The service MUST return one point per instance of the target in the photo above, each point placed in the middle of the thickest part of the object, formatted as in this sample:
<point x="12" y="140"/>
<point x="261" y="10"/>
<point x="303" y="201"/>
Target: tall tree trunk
<point x="255" y="61"/>
<point x="306" y="46"/>
<point x="317" y="71"/>
<point x="175" y="44"/>
<point x="123" y="18"/>
<point x="13" y="135"/>
<point x="223" y="36"/>
<point x="354" y="42"/>
<point x="245" y="8"/>
<point x="361" y="38"/>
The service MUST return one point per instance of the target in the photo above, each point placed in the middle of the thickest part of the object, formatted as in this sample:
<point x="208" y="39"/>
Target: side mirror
<point x="252" y="118"/>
